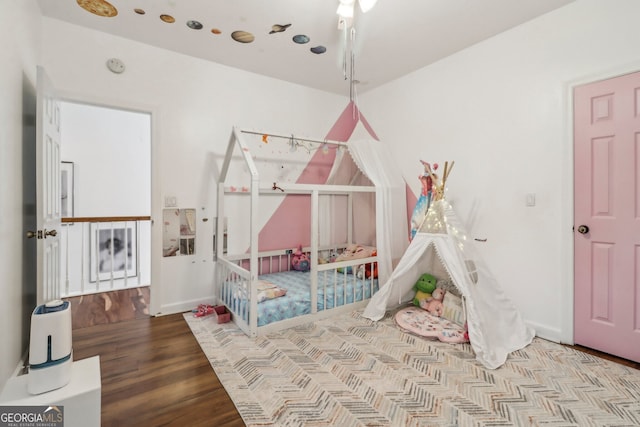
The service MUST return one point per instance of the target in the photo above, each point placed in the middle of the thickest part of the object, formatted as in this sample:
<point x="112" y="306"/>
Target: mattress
<point x="297" y="301"/>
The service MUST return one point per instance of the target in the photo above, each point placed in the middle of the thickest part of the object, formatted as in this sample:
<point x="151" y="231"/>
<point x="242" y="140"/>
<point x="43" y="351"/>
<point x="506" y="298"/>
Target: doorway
<point x="106" y="205"/>
<point x="607" y="216"/>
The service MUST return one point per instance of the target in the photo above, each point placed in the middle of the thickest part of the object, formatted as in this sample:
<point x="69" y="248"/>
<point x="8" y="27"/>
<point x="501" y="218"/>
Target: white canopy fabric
<point x="495" y="326"/>
<point x="375" y="160"/>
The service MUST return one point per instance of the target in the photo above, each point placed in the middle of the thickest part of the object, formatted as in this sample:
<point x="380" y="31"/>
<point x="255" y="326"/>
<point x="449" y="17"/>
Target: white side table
<point x="81" y="398"/>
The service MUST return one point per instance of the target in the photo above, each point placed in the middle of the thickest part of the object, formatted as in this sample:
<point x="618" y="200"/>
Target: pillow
<point x="267" y="291"/>
<point x="453" y="309"/>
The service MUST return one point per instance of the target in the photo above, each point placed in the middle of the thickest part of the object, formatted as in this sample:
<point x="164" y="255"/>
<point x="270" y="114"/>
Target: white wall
<point x="111" y="152"/>
<point x="500" y="110"/>
<point x="19" y="57"/>
<point x="194" y="104"/>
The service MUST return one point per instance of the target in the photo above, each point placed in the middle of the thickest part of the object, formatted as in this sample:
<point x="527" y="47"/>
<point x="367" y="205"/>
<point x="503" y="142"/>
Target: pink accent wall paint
<point x="280" y="231"/>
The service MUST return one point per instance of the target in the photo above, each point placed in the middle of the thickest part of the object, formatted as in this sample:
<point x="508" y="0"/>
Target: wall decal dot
<point x="168" y="19"/>
<point x="139" y="11"/>
<point x="318" y="49"/>
<point x="194" y="25"/>
<point x="242" y="36"/>
<point x="216" y="31"/>
<point x="98" y="7"/>
<point x="301" y="39"/>
<point x="278" y="28"/>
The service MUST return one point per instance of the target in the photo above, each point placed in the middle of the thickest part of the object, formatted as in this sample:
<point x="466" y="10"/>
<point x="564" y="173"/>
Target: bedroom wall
<point x="194" y="104"/>
<point x="19" y="56"/>
<point x="500" y="110"/>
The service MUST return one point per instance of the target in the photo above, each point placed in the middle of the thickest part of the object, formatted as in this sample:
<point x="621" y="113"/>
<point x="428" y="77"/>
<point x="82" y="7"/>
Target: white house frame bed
<point x="240" y="277"/>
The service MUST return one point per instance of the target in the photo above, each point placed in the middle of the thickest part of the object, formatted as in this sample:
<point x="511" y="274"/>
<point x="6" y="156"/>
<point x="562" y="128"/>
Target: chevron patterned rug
<point x="350" y="371"/>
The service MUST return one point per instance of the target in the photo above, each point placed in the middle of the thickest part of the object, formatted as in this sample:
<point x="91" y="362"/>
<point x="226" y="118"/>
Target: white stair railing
<point x="101" y="254"/>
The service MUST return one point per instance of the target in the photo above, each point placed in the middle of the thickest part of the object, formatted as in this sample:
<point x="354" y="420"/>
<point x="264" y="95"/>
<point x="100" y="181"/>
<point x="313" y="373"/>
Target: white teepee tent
<point x="442" y="249"/>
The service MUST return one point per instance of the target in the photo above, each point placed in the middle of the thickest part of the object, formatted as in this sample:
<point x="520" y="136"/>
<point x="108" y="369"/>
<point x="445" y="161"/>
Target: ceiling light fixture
<point x="366" y="5"/>
<point x="345" y="7"/>
<point x="345" y="24"/>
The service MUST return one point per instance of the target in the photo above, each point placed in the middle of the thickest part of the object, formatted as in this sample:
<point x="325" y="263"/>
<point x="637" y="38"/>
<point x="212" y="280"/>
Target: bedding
<point x="297" y="300"/>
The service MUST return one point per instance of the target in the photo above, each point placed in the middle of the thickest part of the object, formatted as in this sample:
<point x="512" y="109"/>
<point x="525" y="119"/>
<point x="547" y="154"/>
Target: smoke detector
<point x="115" y="65"/>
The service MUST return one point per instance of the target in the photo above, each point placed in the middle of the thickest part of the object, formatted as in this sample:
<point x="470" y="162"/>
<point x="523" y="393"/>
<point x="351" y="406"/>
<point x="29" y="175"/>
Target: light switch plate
<point x="170" y="202"/>
<point x="531" y="199"/>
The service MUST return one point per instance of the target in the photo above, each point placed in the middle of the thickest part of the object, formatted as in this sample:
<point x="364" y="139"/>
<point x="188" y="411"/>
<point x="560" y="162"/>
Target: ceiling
<point x="396" y="37"/>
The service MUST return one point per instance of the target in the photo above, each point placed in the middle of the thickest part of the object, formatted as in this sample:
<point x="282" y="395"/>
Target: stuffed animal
<point x="438" y="294"/>
<point x="300" y="261"/>
<point x="434" y="304"/>
<point x="420" y="297"/>
<point x="369" y="270"/>
<point x="425" y="285"/>
<point x="447" y="285"/>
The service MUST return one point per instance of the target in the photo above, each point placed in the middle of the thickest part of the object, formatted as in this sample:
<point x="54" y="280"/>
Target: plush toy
<point x="368" y="270"/>
<point x="434" y="304"/>
<point x="425" y="285"/>
<point x="420" y="297"/>
<point x="371" y="270"/>
<point x="300" y="261"/>
<point x="438" y="294"/>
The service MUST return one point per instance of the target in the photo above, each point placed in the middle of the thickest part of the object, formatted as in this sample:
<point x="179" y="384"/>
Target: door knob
<point x="40" y="235"/>
<point x="583" y="229"/>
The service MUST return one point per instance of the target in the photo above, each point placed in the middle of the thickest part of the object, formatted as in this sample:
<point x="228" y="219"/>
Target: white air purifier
<point x="50" y="350"/>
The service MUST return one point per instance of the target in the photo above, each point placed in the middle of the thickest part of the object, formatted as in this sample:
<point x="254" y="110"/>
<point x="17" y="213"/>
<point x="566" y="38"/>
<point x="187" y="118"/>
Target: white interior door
<point x="47" y="190"/>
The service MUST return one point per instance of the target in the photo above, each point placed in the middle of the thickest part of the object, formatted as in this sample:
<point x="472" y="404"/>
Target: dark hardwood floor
<point x="155" y="374"/>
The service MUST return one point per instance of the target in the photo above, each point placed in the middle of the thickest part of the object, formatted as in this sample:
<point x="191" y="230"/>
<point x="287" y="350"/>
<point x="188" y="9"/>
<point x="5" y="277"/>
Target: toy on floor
<point x="300" y="261"/>
<point x="423" y="287"/>
<point x="434" y="305"/>
<point x="202" y="310"/>
<point x="419" y="322"/>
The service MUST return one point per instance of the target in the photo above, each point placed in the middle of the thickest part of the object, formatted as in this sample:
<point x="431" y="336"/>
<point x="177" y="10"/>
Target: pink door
<point x="607" y="216"/>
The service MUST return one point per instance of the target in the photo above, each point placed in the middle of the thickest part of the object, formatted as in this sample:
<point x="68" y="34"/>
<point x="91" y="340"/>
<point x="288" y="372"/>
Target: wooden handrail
<point x="105" y="219"/>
